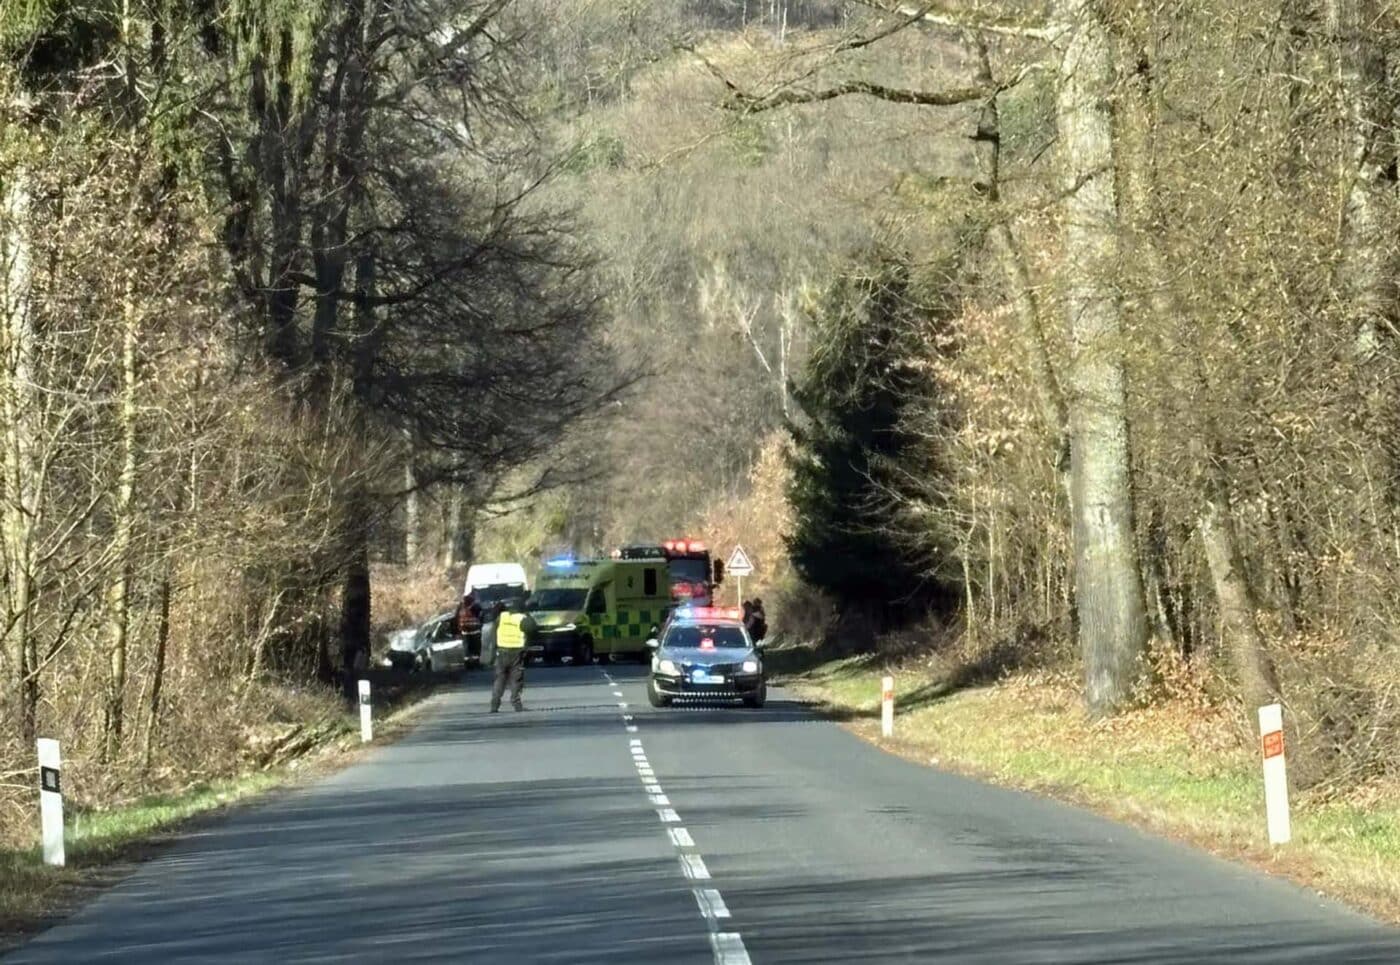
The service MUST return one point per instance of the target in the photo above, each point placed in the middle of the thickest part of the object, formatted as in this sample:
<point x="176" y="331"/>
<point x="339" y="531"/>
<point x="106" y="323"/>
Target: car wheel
<point x="655" y="698"/>
<point x="585" y="653"/>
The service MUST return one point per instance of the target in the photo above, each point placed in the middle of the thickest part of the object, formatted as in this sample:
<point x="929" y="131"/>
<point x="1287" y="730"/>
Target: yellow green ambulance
<point x="604" y="609"/>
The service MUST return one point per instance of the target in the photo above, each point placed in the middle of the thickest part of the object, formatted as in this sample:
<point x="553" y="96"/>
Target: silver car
<point x="434" y="647"/>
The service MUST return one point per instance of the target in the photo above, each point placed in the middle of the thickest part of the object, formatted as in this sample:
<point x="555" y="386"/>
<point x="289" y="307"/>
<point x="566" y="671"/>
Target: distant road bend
<point x="594" y="829"/>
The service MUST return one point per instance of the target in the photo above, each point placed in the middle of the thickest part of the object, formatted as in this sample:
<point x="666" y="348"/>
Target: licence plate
<point x="703" y="677"/>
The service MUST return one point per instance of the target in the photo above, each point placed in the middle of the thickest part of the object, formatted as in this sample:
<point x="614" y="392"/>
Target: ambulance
<point x="597" y="609"/>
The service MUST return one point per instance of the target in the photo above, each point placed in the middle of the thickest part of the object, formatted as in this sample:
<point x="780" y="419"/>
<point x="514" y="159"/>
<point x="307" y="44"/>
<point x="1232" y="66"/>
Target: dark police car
<point x="706" y="654"/>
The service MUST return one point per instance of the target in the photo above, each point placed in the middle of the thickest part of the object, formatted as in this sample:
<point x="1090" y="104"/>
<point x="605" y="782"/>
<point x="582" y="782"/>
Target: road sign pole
<point x="366" y="709"/>
<point x="1275" y="773"/>
<point x="51" y="801"/>
<point x="887" y="707"/>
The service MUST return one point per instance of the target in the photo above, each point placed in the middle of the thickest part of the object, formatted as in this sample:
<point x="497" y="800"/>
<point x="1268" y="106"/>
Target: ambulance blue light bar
<point x="560" y="561"/>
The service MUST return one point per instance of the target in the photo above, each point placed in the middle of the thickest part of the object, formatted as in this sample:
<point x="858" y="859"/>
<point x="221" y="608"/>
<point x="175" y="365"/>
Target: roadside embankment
<point x="1180" y="767"/>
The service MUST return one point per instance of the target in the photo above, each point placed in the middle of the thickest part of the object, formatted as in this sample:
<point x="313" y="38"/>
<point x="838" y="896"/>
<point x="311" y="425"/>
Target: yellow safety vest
<point x="510" y="635"/>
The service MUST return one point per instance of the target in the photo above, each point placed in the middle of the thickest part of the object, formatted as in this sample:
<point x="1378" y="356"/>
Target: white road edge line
<point x="694" y="867"/>
<point x="681" y="838"/>
<point x="711" y="903"/>
<point x="729" y="948"/>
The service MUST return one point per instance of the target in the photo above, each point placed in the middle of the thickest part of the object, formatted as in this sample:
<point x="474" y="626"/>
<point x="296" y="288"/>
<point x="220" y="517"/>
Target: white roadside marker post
<point x="1275" y="773"/>
<point x="366" y="722"/>
<point x="887" y="707"/>
<point x="51" y="801"/>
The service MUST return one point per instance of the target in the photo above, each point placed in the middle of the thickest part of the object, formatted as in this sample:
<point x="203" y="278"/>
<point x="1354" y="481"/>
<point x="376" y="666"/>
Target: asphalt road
<point x="563" y="834"/>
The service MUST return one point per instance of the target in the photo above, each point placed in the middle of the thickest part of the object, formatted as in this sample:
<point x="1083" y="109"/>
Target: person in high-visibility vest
<point x="514" y="628"/>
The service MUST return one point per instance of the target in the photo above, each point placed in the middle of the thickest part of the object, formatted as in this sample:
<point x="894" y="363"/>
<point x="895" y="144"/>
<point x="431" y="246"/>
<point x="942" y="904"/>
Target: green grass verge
<point x="1180" y="768"/>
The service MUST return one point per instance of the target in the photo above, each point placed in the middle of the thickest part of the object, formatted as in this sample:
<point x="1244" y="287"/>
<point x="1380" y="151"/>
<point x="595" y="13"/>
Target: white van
<point x="494" y="574"/>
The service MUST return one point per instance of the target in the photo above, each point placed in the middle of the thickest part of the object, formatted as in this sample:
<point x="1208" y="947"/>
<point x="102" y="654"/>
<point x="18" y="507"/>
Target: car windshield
<point x="557" y="598"/>
<point x="694" y="637"/>
<point x="497" y="593"/>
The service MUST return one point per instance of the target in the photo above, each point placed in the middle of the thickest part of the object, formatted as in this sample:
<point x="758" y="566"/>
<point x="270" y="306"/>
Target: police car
<point x="705" y="653"/>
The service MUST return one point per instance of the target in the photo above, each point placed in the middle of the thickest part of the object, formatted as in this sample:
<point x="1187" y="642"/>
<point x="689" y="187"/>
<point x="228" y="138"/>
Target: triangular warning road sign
<point x="739" y="563"/>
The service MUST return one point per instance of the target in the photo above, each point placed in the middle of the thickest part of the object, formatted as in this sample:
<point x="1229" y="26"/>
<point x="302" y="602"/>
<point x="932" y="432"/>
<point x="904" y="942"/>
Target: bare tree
<point x="1109" y="597"/>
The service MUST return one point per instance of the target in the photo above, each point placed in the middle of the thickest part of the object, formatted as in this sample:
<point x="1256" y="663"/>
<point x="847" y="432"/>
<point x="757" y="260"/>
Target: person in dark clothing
<point x="468" y="615"/>
<point x="758" y="627"/>
<point x="514" y="629"/>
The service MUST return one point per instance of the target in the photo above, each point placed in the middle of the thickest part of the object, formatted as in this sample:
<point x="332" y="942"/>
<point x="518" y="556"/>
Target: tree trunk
<point x="158" y="668"/>
<point x="123" y="515"/>
<point x="452" y="528"/>
<point x="1366" y="273"/>
<point x="20" y="506"/>
<point x="355" y="597"/>
<point x="1239" y="626"/>
<point x="1109" y="598"/>
<point x="412" y="522"/>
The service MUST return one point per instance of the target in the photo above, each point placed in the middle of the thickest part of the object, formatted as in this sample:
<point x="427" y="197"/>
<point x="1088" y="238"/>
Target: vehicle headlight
<point x="668" y="668"/>
<point x="750" y="666"/>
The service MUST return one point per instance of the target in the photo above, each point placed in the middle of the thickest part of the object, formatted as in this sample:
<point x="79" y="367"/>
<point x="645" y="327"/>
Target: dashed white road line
<point x="729" y="948"/>
<point x="694" y="867"/>
<point x="711" y="903"/>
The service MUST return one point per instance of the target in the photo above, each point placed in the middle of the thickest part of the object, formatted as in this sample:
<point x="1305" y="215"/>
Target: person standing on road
<point x="513" y="630"/>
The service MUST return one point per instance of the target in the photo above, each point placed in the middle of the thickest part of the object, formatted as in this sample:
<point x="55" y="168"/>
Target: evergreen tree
<point x="851" y="440"/>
